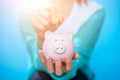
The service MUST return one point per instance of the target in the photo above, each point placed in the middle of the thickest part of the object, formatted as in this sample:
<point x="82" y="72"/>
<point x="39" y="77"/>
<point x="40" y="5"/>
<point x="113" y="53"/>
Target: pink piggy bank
<point x="58" y="45"/>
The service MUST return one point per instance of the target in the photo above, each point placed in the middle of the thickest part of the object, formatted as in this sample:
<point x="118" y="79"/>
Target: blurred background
<point x="105" y="61"/>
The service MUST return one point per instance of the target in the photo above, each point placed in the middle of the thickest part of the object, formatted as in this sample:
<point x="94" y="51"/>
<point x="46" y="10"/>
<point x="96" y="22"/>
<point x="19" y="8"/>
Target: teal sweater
<point x="84" y="41"/>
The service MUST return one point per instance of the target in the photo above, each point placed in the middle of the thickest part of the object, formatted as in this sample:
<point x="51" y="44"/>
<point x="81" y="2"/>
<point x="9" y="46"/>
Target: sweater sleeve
<point x="31" y="41"/>
<point x="84" y="42"/>
<point x="86" y="38"/>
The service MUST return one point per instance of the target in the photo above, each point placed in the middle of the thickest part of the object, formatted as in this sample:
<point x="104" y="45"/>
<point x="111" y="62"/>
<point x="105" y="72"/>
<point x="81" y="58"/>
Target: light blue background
<point x="105" y="60"/>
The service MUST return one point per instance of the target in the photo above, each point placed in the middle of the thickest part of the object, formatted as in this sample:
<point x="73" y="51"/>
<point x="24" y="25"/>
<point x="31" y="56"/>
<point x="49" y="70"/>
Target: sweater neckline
<point x="78" y="16"/>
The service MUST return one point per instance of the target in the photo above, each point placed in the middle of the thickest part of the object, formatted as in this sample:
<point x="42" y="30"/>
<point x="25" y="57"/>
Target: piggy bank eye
<point x="62" y="39"/>
<point x="55" y="40"/>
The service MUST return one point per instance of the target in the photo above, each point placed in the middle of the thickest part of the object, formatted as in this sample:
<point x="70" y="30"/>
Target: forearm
<point x="40" y="38"/>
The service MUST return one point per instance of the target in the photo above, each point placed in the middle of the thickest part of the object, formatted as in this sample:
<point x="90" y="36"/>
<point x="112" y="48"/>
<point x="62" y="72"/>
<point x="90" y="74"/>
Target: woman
<point x="83" y="18"/>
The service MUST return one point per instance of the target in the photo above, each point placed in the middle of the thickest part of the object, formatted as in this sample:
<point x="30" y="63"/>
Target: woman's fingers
<point x="52" y="11"/>
<point x="42" y="58"/>
<point x="46" y="19"/>
<point x="45" y="13"/>
<point x="57" y="19"/>
<point x="60" y="19"/>
<point x="67" y="66"/>
<point x="40" y="24"/>
<point x="68" y="63"/>
<point x="50" y="65"/>
<point x="40" y="19"/>
<point x="75" y="56"/>
<point x="36" y="24"/>
<point x="58" y="67"/>
<point x="48" y="62"/>
<point x="64" y="67"/>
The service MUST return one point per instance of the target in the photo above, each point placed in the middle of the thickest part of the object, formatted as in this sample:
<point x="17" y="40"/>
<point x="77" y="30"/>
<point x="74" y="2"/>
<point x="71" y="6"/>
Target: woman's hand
<point x="58" y="66"/>
<point x="45" y="20"/>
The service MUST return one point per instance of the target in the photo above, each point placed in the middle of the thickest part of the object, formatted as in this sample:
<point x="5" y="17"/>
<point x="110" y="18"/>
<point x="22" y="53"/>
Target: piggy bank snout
<point x="59" y="48"/>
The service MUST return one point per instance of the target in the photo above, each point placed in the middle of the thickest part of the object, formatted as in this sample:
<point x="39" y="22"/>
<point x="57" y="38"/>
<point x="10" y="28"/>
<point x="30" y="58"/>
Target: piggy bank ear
<point x="69" y="34"/>
<point x="48" y="34"/>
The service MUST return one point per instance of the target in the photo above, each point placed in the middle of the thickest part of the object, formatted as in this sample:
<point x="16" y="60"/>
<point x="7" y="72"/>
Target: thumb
<point x="75" y="56"/>
<point x="60" y="19"/>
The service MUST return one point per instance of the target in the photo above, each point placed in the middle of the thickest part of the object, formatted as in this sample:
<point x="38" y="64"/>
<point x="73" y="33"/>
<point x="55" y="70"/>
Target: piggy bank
<point x="58" y="45"/>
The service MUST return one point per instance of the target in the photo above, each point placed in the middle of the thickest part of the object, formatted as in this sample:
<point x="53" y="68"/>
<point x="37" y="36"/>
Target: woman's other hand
<point x="58" y="67"/>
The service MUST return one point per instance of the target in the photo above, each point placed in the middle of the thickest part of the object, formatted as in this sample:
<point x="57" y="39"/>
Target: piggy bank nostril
<point x="62" y="40"/>
<point x="55" y="40"/>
